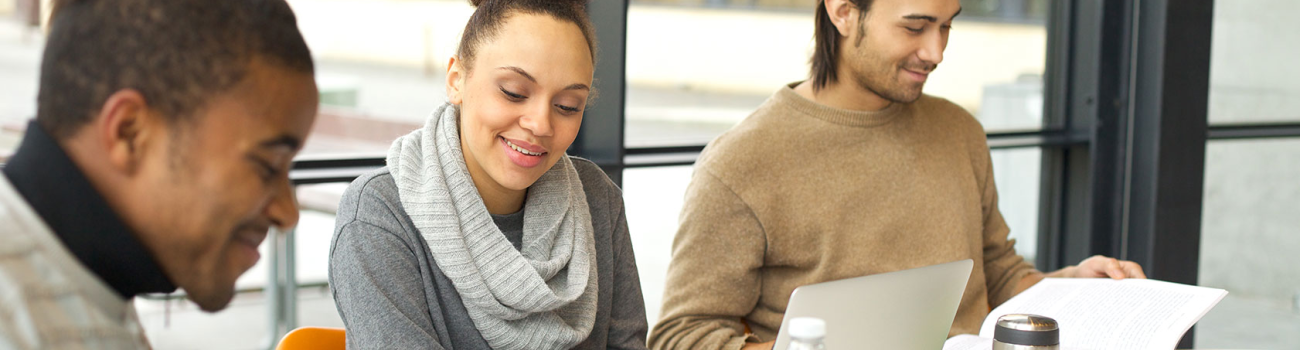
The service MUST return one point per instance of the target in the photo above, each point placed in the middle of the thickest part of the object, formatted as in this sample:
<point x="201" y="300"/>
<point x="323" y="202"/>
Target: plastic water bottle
<point x="807" y="333"/>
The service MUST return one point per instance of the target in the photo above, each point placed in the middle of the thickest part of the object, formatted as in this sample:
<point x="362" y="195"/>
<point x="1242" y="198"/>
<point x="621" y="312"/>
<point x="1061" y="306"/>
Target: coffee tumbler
<point x="1026" y="332"/>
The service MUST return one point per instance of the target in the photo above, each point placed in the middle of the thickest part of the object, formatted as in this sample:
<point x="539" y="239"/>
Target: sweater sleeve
<point x="376" y="286"/>
<point x="627" y="322"/>
<point x="713" y="280"/>
<point x="1003" y="267"/>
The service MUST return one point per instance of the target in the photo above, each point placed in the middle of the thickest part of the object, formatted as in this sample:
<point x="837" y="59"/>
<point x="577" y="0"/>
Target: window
<point x="381" y="74"/>
<point x="694" y="68"/>
<point x="1252" y="66"/>
<point x="1249" y="240"/>
<point x="1248" y="226"/>
<point x="653" y="198"/>
<point x="20" y="61"/>
<point x="1016" y="172"/>
<point x="685" y="92"/>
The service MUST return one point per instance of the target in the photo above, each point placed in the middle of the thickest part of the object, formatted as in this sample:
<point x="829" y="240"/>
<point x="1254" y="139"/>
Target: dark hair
<point x="826" y="37"/>
<point x="176" y="53"/>
<point x="486" y="21"/>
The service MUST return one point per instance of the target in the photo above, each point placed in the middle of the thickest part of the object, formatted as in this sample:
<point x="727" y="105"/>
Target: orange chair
<point x="314" y="338"/>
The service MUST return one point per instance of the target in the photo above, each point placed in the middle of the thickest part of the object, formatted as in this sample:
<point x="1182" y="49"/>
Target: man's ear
<point x="455" y="81"/>
<point x="124" y="125"/>
<point x="844" y="15"/>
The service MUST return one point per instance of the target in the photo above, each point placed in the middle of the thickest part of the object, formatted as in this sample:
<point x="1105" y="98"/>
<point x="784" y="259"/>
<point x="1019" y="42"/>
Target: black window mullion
<point x="1253" y="131"/>
<point x="602" y="134"/>
<point x="1170" y="122"/>
<point x="1085" y="96"/>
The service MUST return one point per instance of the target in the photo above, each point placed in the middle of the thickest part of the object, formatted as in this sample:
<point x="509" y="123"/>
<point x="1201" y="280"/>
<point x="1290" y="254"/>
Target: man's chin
<point x="895" y="91"/>
<point x="905" y="96"/>
<point x="908" y="93"/>
<point x="213" y="301"/>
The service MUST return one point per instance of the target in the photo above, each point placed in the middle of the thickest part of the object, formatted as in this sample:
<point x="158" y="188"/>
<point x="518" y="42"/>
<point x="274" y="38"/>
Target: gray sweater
<point x="392" y="295"/>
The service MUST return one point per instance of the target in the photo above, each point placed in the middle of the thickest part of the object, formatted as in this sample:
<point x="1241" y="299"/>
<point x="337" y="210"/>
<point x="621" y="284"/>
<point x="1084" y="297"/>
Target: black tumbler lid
<point x="1025" y="329"/>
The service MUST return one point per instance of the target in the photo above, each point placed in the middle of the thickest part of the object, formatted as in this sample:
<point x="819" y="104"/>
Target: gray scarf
<point x="542" y="296"/>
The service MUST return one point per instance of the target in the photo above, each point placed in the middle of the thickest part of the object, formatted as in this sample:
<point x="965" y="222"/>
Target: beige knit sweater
<point x="801" y="193"/>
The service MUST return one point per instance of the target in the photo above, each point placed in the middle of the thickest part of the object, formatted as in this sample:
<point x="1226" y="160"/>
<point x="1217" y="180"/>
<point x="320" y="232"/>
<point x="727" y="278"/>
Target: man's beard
<point x="885" y="83"/>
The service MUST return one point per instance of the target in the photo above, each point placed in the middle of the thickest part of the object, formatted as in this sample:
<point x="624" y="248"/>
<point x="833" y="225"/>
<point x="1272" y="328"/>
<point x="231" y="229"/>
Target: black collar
<point x="58" y="191"/>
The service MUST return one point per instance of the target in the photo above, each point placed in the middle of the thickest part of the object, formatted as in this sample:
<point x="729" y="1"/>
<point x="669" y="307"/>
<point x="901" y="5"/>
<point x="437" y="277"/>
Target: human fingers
<point x="1132" y="269"/>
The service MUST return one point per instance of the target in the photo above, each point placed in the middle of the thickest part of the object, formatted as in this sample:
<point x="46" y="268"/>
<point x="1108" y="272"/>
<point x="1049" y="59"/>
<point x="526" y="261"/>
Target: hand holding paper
<point x="1105" y="314"/>
<point x="1099" y="266"/>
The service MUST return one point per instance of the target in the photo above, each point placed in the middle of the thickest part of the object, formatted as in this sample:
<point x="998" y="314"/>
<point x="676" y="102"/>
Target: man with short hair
<point x="852" y="173"/>
<point x="158" y="159"/>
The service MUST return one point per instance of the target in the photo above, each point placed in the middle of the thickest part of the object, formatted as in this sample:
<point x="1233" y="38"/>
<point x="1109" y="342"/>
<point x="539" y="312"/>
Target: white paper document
<point x="968" y="342"/>
<point x="1105" y="314"/>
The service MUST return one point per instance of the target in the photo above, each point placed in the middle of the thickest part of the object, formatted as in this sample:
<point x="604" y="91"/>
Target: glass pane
<point x="382" y="73"/>
<point x="1017" y="172"/>
<point x="654" y="196"/>
<point x="379" y="75"/>
<point x="20" y="62"/>
<point x="1249" y="240"/>
<point x="696" y="67"/>
<point x="1252" y="65"/>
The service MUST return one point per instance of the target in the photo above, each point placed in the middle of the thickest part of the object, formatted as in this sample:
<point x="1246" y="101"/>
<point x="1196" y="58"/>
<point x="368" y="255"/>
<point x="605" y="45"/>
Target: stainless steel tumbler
<point x="1026" y="332"/>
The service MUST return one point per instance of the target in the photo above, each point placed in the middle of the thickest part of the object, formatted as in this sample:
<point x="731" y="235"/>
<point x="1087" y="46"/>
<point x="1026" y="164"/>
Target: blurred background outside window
<point x="694" y="69"/>
<point x="1250" y="230"/>
<point x="697" y="67"/>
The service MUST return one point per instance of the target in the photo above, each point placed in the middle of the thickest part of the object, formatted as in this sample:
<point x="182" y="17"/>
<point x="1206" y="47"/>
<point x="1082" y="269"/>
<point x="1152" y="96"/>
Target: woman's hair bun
<point x="583" y="3"/>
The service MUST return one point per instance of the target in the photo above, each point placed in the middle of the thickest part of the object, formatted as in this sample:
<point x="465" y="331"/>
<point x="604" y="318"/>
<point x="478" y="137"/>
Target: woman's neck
<point x="498" y="199"/>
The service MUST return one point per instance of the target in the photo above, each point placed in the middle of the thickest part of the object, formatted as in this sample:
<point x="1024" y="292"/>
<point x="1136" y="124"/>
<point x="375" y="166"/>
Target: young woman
<point x="480" y="232"/>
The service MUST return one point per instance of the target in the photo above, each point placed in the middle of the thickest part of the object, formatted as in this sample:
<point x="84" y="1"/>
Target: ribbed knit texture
<point x="801" y="193"/>
<point x="540" y="297"/>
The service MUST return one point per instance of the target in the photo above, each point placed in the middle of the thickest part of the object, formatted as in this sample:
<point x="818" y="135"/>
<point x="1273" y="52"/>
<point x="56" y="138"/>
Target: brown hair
<point x="827" y="40"/>
<point x="486" y="21"/>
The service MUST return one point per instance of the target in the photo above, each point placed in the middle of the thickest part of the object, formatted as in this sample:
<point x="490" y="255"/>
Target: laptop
<point x="908" y="309"/>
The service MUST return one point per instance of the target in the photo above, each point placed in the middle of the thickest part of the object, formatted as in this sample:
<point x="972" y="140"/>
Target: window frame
<point x="1123" y="140"/>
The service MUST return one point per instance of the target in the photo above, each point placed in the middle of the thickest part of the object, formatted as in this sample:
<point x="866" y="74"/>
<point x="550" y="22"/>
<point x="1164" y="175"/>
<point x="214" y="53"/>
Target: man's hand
<point x="759" y="346"/>
<point x="1094" y="267"/>
<point x="1102" y="266"/>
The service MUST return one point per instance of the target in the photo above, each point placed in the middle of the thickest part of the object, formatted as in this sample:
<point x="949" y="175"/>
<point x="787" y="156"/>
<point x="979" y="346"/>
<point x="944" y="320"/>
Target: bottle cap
<point x="1026" y="329"/>
<point x="807" y="327"/>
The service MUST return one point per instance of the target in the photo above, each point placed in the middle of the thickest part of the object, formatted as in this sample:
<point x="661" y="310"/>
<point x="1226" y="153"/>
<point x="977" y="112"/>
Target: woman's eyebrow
<point x="521" y="71"/>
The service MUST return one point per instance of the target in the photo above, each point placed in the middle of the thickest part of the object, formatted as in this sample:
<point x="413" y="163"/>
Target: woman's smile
<point x="522" y="153"/>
